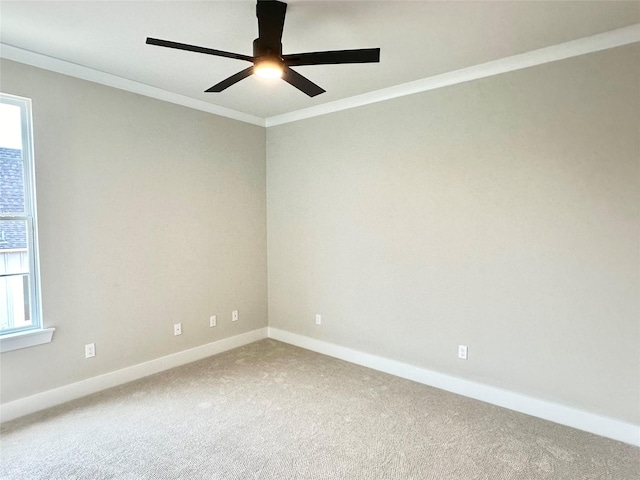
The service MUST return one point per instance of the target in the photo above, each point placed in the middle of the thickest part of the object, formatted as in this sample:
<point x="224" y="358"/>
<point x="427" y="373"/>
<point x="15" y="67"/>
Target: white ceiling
<point x="418" y="39"/>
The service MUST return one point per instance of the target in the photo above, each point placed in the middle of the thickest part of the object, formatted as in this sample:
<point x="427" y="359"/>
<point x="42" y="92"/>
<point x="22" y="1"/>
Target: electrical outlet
<point x="212" y="321"/>
<point x="318" y="319"/>
<point x="90" y="350"/>
<point x="462" y="352"/>
<point x="177" y="329"/>
<point x="234" y="316"/>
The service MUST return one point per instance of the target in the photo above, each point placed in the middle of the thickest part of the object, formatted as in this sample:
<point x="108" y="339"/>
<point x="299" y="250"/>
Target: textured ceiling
<point x="418" y="39"/>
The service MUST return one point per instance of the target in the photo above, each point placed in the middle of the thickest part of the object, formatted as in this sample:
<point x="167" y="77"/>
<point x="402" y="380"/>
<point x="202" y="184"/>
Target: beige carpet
<point x="272" y="411"/>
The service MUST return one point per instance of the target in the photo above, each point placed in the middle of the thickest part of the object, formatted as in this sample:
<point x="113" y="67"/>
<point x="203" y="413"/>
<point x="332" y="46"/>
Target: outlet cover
<point x="462" y="352"/>
<point x="90" y="350"/>
<point x="318" y="319"/>
<point x="234" y="316"/>
<point x="177" y="329"/>
<point x="213" y="321"/>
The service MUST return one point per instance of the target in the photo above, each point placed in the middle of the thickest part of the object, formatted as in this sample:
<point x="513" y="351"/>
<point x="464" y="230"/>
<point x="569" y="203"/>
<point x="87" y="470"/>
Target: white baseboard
<point x="57" y="396"/>
<point x="582" y="420"/>
<point x="589" y="422"/>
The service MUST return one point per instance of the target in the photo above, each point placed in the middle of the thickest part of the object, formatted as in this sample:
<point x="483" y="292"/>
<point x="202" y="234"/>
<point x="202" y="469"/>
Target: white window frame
<point x="35" y="334"/>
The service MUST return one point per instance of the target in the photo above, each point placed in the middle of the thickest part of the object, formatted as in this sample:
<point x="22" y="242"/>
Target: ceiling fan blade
<point x="270" y="24"/>
<point x="233" y="79"/>
<point x="193" y="48"/>
<point x="362" y="55"/>
<point x="301" y="83"/>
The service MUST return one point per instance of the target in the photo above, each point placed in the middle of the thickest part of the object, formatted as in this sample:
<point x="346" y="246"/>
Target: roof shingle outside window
<point x="12" y="234"/>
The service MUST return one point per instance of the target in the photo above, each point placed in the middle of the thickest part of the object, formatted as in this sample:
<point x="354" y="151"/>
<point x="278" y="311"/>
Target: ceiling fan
<point x="268" y="60"/>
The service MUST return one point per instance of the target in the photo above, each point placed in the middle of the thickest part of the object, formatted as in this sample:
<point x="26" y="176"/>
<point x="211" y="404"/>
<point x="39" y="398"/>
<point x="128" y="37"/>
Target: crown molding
<point x="85" y="73"/>
<point x="574" y="48"/>
<point x="561" y="51"/>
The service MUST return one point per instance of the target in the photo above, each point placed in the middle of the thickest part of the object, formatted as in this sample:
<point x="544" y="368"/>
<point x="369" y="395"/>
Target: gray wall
<point x="150" y="214"/>
<point x="502" y="214"/>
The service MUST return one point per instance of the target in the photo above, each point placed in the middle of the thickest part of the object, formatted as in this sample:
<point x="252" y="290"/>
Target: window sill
<point x="19" y="340"/>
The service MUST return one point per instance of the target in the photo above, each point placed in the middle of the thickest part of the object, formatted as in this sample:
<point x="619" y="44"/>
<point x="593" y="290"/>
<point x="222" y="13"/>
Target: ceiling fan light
<point x="268" y="68"/>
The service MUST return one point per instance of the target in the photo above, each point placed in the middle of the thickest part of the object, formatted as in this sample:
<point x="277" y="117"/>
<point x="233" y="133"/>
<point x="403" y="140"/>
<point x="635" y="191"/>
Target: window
<point x="20" y="316"/>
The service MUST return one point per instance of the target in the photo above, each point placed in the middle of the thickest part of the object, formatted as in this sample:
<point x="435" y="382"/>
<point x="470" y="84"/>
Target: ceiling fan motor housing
<point x="273" y="52"/>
